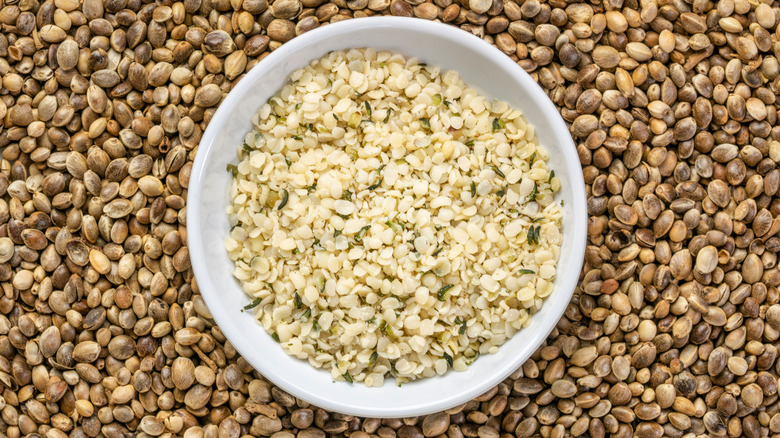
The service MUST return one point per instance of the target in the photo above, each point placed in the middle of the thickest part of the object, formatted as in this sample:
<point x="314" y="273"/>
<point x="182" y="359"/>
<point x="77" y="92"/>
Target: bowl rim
<point x="268" y="369"/>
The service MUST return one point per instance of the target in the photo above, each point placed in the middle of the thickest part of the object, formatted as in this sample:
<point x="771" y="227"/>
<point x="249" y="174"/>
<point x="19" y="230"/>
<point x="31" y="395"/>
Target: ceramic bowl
<point x="482" y="66"/>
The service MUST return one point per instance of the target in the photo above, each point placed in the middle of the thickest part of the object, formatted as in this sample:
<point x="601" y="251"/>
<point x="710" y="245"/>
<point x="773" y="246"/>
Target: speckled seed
<point x="87" y="351"/>
<point x="563" y="389"/>
<point x="435" y="424"/>
<point x="707" y="259"/>
<point x="6" y="249"/>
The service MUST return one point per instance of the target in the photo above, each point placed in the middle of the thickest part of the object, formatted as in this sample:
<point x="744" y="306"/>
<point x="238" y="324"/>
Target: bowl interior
<point x="481" y="66"/>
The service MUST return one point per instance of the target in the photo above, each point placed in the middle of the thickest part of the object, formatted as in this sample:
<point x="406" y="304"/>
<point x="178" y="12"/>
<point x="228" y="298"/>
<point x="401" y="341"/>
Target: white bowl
<point x="481" y="66"/>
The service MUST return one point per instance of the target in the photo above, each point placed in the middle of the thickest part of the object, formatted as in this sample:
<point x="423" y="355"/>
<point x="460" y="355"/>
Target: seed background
<point x="672" y="105"/>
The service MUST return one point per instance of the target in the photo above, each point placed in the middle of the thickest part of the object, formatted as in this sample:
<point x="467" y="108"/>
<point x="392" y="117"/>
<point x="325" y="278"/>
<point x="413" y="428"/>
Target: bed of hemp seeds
<point x="674" y="330"/>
